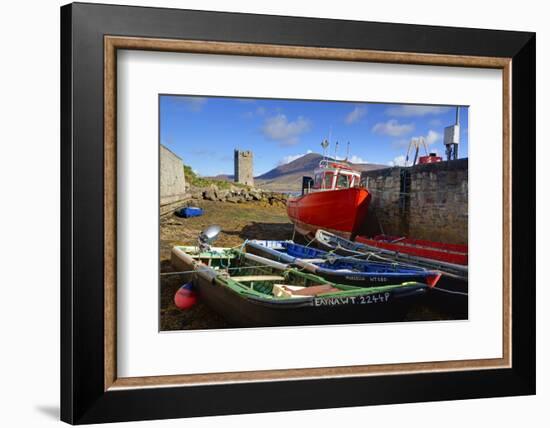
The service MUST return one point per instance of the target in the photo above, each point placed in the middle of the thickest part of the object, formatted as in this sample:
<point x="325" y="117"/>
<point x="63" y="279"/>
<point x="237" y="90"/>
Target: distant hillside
<point x="227" y="177"/>
<point x="221" y="181"/>
<point x="288" y="177"/>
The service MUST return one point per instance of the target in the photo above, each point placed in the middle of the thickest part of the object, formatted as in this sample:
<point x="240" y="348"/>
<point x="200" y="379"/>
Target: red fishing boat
<point x="332" y="200"/>
<point x="449" y="253"/>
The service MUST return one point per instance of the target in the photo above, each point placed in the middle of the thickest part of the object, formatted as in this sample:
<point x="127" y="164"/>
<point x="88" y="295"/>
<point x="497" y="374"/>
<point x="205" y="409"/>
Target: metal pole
<point x="458" y="128"/>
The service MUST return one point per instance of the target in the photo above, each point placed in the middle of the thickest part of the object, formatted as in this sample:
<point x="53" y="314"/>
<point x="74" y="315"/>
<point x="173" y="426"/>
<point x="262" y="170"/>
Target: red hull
<point x="341" y="211"/>
<point x="450" y="253"/>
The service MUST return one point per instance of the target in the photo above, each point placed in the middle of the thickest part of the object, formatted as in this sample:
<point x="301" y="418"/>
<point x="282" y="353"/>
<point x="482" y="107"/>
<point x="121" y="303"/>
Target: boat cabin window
<point x="343" y="181"/>
<point x="318" y="180"/>
<point x="328" y="180"/>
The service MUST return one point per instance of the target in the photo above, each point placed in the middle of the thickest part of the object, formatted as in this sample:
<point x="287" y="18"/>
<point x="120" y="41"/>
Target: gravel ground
<point x="254" y="220"/>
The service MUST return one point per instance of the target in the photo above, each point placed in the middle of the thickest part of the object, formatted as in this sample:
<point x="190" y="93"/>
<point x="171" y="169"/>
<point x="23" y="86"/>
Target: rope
<point x="240" y="247"/>
<point x="458" y="293"/>
<point x="368" y="255"/>
<point x="309" y="243"/>
<point x="398" y="262"/>
<point x="228" y="268"/>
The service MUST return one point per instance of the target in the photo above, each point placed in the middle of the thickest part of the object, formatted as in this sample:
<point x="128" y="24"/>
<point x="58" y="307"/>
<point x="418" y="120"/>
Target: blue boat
<point x="353" y="270"/>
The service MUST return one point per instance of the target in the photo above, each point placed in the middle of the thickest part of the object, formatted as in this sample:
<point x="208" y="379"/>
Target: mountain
<point x="288" y="177"/>
<point x="226" y="177"/>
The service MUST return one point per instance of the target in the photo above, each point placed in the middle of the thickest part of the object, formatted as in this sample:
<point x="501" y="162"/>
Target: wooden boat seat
<point x="289" y="291"/>
<point x="250" y="278"/>
<point x="314" y="290"/>
<point x="284" y="290"/>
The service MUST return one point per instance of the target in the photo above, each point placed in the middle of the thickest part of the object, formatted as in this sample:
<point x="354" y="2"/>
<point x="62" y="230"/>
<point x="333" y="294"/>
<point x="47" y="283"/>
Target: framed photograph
<point x="274" y="213"/>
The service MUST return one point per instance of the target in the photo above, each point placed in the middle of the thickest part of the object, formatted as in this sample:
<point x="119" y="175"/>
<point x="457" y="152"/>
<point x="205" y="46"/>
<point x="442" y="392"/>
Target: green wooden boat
<point x="252" y="291"/>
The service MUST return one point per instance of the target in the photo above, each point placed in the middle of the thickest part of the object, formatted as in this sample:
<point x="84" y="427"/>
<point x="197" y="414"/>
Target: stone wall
<point x="172" y="178"/>
<point x="244" y="167"/>
<point x="427" y="201"/>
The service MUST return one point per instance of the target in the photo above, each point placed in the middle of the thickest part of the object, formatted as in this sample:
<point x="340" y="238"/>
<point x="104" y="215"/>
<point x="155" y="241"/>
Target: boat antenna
<point x="325" y="145"/>
<point x="347" y="153"/>
<point x="458" y="129"/>
<point x="335" y="150"/>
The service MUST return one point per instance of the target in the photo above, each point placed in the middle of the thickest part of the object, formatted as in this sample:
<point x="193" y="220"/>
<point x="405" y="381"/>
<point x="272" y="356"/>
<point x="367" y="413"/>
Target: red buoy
<point x="185" y="297"/>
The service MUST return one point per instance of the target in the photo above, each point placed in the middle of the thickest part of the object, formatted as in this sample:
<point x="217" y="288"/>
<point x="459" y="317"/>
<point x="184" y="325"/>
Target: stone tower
<point x="244" y="167"/>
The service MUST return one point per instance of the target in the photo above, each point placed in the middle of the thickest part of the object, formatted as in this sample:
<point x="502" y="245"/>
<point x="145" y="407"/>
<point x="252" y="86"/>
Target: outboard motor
<point x="208" y="236"/>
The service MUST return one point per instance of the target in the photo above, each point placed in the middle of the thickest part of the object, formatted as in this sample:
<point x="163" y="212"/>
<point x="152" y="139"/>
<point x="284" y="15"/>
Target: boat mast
<point x="458" y="127"/>
<point x="324" y="145"/>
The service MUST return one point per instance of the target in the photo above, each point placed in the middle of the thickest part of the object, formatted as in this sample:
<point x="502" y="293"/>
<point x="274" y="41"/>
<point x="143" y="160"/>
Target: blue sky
<point x="204" y="131"/>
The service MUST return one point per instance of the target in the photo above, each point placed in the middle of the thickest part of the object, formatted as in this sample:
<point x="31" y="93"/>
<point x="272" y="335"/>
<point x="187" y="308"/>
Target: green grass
<point x="195" y="180"/>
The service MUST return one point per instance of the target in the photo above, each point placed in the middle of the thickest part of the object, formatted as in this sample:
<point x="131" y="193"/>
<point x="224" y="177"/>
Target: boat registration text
<point x="352" y="300"/>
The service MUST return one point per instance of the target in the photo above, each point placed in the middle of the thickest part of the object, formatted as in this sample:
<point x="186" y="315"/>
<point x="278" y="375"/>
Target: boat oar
<point x="310" y="267"/>
<point x="267" y="262"/>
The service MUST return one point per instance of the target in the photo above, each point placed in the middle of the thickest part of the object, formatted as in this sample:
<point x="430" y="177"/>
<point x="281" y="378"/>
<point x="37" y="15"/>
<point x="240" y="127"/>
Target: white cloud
<point x="415" y="110"/>
<point x="194" y="104"/>
<point x="356" y="114"/>
<point x="398" y="161"/>
<point x="279" y="128"/>
<point x="357" y="159"/>
<point x="432" y="137"/>
<point x="352" y="159"/>
<point x="290" y="158"/>
<point x="393" y="128"/>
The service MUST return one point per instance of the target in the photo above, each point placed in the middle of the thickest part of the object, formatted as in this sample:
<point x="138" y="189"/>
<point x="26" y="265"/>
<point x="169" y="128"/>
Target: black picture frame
<point x="83" y="398"/>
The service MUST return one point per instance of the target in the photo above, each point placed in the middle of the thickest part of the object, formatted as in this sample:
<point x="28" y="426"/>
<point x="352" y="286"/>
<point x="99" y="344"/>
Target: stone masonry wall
<point x="172" y="178"/>
<point x="427" y="201"/>
<point x="384" y="214"/>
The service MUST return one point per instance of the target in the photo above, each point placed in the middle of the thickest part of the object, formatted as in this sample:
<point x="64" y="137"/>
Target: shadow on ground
<point x="260" y="230"/>
<point x="50" y="411"/>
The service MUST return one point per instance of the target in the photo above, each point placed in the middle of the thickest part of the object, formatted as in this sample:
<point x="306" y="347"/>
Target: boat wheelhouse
<point x="331" y="200"/>
<point x="333" y="175"/>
